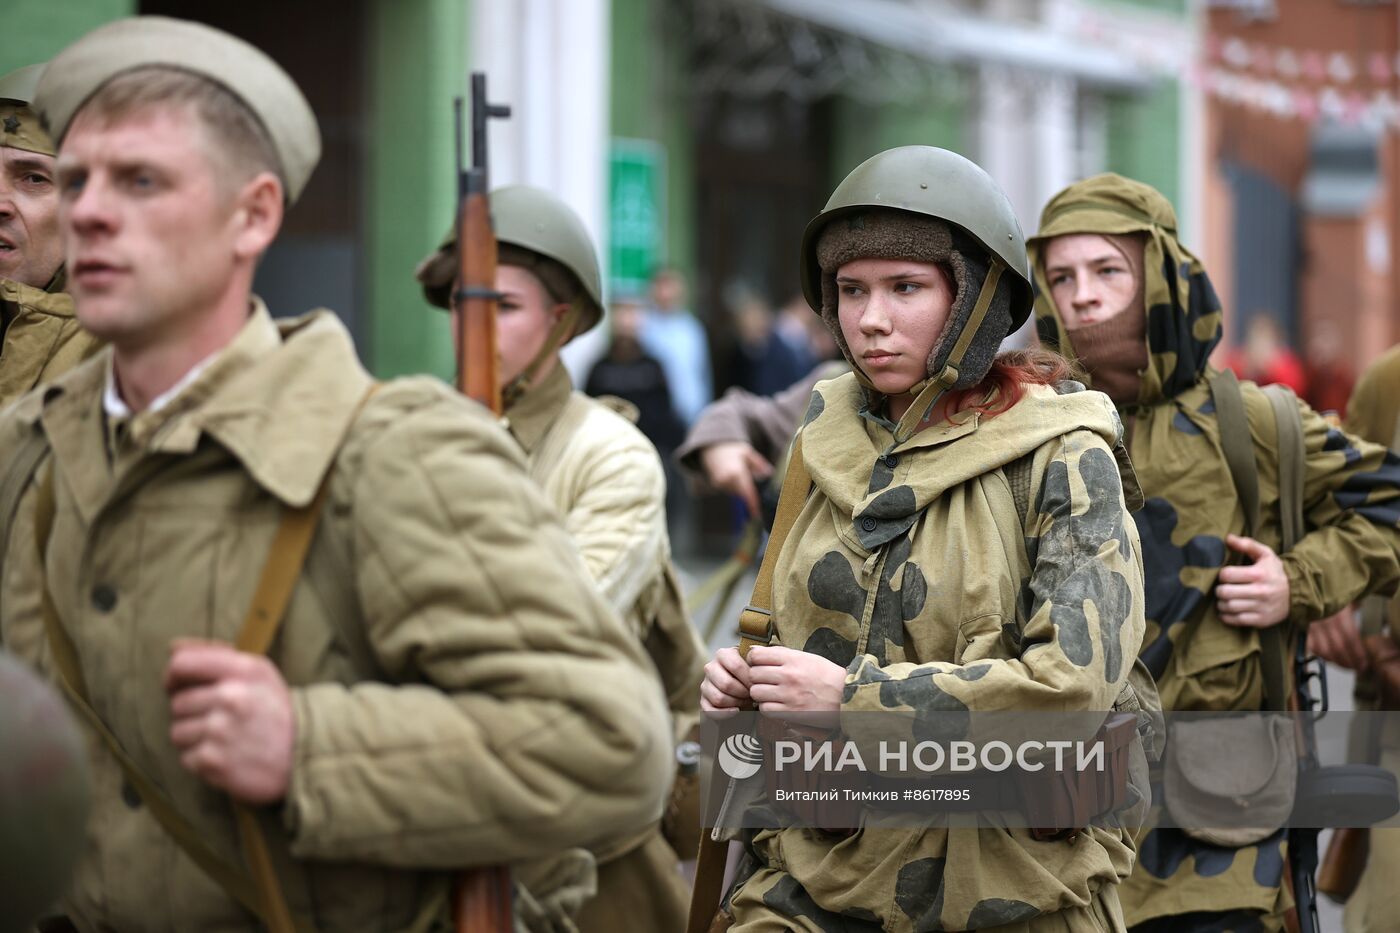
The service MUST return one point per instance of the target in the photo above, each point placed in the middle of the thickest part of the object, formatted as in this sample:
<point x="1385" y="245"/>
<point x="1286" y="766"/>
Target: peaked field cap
<point x="18" y="86"/>
<point x="77" y="72"/>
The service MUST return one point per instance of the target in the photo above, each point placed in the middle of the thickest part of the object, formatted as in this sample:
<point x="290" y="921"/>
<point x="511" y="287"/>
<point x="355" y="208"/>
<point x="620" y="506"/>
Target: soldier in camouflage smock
<point x="1116" y="289"/>
<point x="912" y="581"/>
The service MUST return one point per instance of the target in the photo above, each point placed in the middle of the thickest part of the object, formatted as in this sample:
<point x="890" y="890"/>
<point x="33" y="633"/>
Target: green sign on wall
<point x="636" y="212"/>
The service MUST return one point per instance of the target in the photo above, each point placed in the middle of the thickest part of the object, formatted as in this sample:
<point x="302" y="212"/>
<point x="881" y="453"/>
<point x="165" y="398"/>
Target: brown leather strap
<point x="278" y="579"/>
<point x="755" y="628"/>
<point x="756" y="619"/>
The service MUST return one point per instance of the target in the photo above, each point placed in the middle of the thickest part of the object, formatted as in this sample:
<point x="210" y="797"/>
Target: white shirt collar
<point x="117" y="409"/>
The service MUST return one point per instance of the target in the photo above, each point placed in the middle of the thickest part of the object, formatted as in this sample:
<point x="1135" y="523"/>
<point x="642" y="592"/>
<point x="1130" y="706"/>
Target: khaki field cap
<point x="19" y="125"/>
<point x="539" y="225"/>
<point x="157" y="41"/>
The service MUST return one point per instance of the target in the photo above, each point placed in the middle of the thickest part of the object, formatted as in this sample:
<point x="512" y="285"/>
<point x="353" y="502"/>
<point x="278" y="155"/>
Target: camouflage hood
<point x="876" y="485"/>
<point x="1183" y="312"/>
<point x="920" y="573"/>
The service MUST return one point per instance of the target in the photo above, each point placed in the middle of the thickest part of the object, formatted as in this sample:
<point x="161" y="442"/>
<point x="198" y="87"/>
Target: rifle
<point x="481" y="898"/>
<point x="1302" y="840"/>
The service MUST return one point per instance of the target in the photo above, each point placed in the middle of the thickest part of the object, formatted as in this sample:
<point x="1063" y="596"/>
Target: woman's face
<point x="892" y="312"/>
<point x="1090" y="279"/>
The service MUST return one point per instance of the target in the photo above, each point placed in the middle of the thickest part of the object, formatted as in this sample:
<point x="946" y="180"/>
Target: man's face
<point x="31" y="249"/>
<point x="150" y="228"/>
<point x="1091" y="280"/>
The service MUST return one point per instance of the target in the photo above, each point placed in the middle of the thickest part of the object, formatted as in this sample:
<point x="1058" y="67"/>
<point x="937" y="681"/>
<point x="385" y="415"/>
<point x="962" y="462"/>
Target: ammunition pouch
<point x="1206" y="790"/>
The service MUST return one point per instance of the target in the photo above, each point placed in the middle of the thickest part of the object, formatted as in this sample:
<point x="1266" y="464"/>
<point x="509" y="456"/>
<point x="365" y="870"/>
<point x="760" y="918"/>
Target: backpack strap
<point x="1238" y="445"/>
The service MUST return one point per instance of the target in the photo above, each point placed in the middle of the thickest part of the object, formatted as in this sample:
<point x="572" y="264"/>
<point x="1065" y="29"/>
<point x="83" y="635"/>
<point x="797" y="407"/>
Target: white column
<point x="549" y="59"/>
<point x="1053" y="141"/>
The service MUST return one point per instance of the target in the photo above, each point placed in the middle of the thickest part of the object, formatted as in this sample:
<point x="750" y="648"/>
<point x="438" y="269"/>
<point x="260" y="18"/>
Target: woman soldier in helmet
<point x="605" y="478"/>
<point x="912" y="579"/>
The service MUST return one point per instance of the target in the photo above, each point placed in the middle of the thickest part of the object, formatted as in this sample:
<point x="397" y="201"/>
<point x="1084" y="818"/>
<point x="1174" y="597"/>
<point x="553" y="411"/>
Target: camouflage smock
<point x="1351" y="506"/>
<point x="41" y="338"/>
<point x="911" y="568"/>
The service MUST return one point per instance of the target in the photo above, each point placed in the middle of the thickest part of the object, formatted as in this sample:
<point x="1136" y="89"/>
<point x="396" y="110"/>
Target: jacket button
<point x="869" y="524"/>
<point x="891" y="460"/>
<point x="104" y="597"/>
<point x="129" y="796"/>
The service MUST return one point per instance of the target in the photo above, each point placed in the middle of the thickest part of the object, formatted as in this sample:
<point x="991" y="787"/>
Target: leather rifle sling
<point x="755" y="628"/>
<point x="278" y="579"/>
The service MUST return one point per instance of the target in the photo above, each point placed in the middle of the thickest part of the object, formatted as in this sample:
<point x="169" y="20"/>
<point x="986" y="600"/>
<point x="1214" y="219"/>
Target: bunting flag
<point x="1351" y="88"/>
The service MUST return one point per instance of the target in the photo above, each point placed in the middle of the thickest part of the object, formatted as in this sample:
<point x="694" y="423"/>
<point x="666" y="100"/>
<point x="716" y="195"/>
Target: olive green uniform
<point x="1372" y="413"/>
<point x="39" y="333"/>
<point x="1351" y="506"/>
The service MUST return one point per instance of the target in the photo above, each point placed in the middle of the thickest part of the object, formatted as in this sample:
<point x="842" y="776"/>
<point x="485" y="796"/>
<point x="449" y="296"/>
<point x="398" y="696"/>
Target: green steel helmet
<point x="531" y="225"/>
<point x="929" y="204"/>
<point x="44" y="795"/>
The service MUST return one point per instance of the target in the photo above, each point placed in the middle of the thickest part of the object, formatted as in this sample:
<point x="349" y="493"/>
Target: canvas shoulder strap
<point x="755" y="628"/>
<point x="1238" y="446"/>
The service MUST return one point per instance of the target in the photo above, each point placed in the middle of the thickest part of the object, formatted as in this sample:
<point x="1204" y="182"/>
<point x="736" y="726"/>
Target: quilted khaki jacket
<point x="465" y="698"/>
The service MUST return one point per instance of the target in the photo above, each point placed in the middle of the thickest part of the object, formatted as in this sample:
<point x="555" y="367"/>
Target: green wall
<point x="647" y="102"/>
<point x="36" y="30"/>
<point x="1144" y="134"/>
<point x="860" y="129"/>
<point x="418" y="63"/>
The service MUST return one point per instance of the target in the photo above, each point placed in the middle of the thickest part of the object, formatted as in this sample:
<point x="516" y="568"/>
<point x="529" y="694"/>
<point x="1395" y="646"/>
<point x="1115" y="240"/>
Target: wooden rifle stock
<point x="477" y="359"/>
<point x="481" y="897"/>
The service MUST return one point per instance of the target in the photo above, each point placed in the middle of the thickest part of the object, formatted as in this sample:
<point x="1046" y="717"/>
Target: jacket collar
<point x="50" y="300"/>
<point x="530" y="418"/>
<point x="279" y="398"/>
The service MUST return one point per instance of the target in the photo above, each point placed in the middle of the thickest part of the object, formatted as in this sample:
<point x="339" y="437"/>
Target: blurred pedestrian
<point x="764" y="362"/>
<point x="1330" y="375"/>
<point x="677" y="340"/>
<point x="1265" y="358"/>
<point x="627" y="372"/>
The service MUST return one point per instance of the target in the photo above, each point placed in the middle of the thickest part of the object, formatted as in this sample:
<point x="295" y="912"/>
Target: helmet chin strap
<point x="558" y="335"/>
<point x="930" y="390"/>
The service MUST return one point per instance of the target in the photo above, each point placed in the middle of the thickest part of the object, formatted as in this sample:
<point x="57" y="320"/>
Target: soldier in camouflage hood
<point x="1117" y="290"/>
<point x="913" y="580"/>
